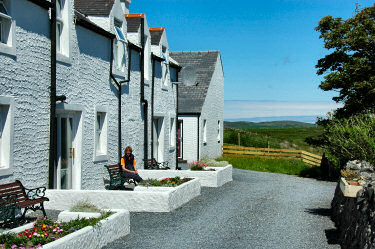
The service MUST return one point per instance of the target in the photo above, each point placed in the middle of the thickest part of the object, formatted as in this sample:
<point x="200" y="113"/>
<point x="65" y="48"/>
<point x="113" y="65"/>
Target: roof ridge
<point x="157" y="28"/>
<point x="191" y="52"/>
<point x="135" y="15"/>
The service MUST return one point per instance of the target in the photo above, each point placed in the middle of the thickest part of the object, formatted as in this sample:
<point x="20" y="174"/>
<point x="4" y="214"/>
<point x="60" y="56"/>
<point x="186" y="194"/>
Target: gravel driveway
<point x="256" y="210"/>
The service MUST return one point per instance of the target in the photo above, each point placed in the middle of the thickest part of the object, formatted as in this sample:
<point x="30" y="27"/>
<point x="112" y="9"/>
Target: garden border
<point x="216" y="178"/>
<point x="115" y="226"/>
<point x="143" y="199"/>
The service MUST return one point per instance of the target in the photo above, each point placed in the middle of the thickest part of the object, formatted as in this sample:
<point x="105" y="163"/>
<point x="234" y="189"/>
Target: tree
<point x="349" y="68"/>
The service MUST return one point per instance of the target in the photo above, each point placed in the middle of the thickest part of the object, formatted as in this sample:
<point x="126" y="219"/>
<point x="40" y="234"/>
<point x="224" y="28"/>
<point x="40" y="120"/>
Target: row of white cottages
<point x="75" y="90"/>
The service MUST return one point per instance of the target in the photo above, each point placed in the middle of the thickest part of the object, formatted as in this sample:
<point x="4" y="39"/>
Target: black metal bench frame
<point x="153" y="164"/>
<point x="15" y="196"/>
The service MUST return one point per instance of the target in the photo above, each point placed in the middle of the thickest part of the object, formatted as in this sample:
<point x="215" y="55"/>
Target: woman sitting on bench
<point x="129" y="170"/>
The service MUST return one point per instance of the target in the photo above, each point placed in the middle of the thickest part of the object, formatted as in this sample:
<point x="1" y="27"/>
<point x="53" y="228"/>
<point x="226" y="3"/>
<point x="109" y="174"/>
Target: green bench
<point x="116" y="181"/>
<point x="14" y="196"/>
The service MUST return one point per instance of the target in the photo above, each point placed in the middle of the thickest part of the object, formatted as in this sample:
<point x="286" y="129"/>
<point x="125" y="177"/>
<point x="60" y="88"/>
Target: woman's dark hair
<point x="128" y="148"/>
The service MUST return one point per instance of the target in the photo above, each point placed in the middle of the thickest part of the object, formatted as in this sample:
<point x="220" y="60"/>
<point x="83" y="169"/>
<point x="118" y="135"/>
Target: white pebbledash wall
<point x="84" y="78"/>
<point x="213" y="111"/>
<point x="24" y="85"/>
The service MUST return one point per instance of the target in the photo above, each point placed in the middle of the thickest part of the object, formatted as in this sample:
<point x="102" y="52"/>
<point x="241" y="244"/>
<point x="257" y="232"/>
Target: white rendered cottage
<point x="85" y="122"/>
<point x="201" y="106"/>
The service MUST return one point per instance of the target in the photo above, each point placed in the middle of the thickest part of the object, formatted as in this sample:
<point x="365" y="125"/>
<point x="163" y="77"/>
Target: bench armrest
<point x="35" y="193"/>
<point x="163" y="165"/>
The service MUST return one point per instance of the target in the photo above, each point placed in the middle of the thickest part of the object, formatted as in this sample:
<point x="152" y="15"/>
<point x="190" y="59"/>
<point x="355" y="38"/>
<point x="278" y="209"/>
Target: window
<point x="5" y="24"/>
<point x="205" y="131"/>
<point x="119" y="47"/>
<point x="164" y="67"/>
<point x="4" y="136"/>
<point x="172" y="135"/>
<point x="147" y="62"/>
<point x="59" y="24"/>
<point x="173" y="74"/>
<point x="100" y="134"/>
<point x="218" y="131"/>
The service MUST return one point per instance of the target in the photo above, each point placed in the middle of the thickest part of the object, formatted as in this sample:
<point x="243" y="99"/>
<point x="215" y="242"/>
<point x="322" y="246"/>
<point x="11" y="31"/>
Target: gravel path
<point x="256" y="210"/>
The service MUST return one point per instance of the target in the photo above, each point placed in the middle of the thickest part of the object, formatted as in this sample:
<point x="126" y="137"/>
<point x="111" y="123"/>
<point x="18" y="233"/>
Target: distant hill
<point x="271" y="124"/>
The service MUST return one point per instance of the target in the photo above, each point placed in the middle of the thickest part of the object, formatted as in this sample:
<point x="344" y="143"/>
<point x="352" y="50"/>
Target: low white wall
<point x="144" y="200"/>
<point x="216" y="178"/>
<point x="115" y="226"/>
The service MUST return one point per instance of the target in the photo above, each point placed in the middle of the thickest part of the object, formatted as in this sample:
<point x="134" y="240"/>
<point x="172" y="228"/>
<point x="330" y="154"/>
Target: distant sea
<point x="305" y="119"/>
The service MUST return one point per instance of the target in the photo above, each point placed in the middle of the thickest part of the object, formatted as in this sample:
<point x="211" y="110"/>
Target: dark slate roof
<point x="156" y="36"/>
<point x="191" y="98"/>
<point x="133" y="24"/>
<point x="94" y="7"/>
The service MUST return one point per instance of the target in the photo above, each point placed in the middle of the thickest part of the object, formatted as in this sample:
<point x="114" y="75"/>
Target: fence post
<point x="239" y="139"/>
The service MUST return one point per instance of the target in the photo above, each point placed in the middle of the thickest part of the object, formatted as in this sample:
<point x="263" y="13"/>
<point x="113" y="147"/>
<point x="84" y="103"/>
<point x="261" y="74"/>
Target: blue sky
<point x="269" y="48"/>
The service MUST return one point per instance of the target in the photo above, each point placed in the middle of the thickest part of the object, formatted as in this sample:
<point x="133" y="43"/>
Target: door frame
<point x="77" y="112"/>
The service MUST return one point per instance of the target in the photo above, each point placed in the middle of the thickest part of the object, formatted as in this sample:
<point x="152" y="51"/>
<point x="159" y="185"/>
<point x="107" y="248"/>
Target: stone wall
<point x="354" y="217"/>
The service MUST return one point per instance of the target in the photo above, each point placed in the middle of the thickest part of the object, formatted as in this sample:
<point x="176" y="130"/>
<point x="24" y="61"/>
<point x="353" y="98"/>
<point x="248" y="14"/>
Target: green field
<point x="285" y="138"/>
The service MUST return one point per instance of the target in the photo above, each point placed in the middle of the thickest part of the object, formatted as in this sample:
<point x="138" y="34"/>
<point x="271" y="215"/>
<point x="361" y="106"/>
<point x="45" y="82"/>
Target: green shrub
<point x="350" y="139"/>
<point x="85" y="206"/>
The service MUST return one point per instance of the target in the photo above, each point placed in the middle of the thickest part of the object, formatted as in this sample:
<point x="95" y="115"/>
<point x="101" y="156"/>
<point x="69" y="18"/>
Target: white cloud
<point x="251" y="109"/>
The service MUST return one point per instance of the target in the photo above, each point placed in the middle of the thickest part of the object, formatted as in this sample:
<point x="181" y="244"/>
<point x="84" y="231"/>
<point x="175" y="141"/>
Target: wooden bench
<point x="116" y="181"/>
<point x="153" y="164"/>
<point x="15" y="196"/>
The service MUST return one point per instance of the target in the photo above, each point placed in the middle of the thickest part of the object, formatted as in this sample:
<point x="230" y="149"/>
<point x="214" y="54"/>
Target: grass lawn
<point x="283" y="166"/>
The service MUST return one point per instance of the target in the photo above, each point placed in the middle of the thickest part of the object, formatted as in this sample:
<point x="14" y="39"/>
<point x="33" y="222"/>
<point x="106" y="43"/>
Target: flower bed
<point x="45" y="231"/>
<point x="165" y="182"/>
<point x="78" y="233"/>
<point x="216" y="178"/>
<point x="199" y="166"/>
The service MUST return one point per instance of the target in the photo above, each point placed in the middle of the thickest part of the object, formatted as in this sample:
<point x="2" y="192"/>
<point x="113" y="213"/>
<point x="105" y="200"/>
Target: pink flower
<point x="13" y="246"/>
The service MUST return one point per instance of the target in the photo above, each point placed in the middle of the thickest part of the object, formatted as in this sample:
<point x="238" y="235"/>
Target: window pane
<point x="120" y="35"/>
<point x="58" y="36"/>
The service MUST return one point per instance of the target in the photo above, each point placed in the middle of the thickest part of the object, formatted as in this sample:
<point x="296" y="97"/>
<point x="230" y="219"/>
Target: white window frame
<point x="164" y="68"/>
<point x="6" y="137"/>
<point x="172" y="133"/>
<point x="101" y="134"/>
<point x="147" y="56"/>
<point x="119" y="48"/>
<point x="205" y="131"/>
<point x="63" y="33"/>
<point x="7" y="30"/>
<point x="60" y="4"/>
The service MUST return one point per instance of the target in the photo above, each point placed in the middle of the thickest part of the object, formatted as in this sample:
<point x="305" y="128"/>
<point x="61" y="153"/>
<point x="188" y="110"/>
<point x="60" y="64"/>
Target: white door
<point x="66" y="151"/>
<point x="158" y="142"/>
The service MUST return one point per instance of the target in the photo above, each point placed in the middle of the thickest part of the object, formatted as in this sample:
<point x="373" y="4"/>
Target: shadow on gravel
<point x="332" y="236"/>
<point x="319" y="211"/>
